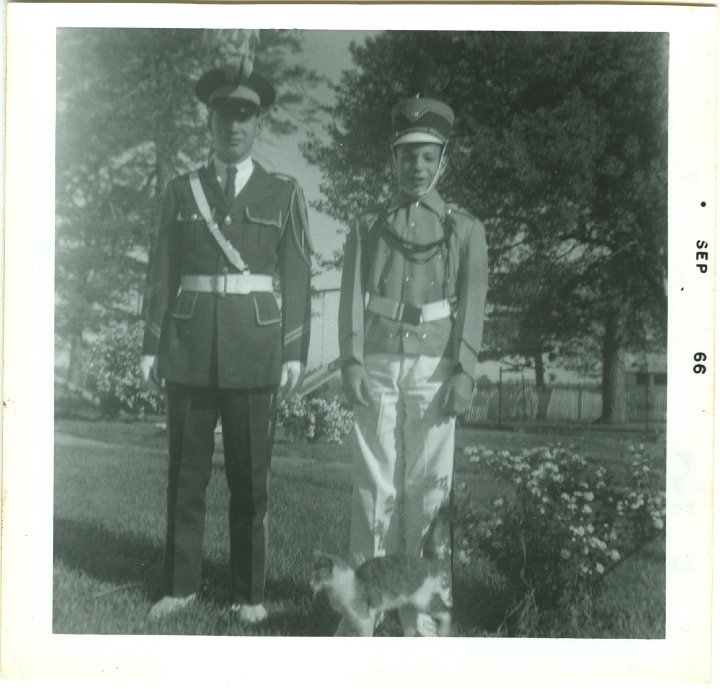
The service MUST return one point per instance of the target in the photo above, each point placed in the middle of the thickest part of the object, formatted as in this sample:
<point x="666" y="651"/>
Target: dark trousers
<point x="247" y="424"/>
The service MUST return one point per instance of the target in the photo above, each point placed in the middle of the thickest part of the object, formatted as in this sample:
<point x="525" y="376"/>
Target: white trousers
<point x="402" y="464"/>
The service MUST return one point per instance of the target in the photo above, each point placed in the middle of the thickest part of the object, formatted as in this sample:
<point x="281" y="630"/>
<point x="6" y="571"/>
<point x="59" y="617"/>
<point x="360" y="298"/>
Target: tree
<point x="126" y="124"/>
<point x="560" y="147"/>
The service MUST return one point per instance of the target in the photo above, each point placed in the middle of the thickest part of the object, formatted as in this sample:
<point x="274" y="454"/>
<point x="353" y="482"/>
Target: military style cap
<point x="225" y="87"/>
<point x="421" y="120"/>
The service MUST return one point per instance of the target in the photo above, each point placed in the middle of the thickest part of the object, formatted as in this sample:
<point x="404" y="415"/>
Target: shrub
<point x="565" y="527"/>
<point x="113" y="371"/>
<point x="315" y="419"/>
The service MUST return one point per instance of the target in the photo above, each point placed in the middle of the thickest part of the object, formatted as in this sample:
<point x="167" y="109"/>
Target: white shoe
<point x="252" y="614"/>
<point x="169" y="605"/>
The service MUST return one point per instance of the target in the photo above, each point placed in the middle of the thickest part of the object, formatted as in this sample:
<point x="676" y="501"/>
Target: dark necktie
<point x="230" y="184"/>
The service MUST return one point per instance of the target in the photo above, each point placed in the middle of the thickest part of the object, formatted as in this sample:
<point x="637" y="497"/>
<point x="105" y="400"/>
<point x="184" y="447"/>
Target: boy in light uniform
<point x="411" y="316"/>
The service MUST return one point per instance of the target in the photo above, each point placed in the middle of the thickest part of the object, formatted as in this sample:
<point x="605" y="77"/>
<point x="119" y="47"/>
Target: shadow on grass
<point x="116" y="558"/>
<point x="479" y="608"/>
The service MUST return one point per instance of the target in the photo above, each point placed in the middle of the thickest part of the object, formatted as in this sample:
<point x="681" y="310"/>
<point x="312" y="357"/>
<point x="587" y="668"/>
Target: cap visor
<point x="418" y="138"/>
<point x="234" y="93"/>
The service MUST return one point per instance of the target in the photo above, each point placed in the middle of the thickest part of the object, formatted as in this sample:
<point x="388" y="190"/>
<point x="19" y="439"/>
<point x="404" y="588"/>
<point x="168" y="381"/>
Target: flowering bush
<point x="113" y="371"/>
<point x="315" y="419"/>
<point x="566" y="525"/>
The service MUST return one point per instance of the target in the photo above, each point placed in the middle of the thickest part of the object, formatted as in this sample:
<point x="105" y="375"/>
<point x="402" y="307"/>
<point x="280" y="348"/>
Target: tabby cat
<point x="378" y="585"/>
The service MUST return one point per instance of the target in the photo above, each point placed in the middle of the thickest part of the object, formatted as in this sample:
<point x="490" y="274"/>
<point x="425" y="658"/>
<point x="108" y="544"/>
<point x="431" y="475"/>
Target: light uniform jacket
<point x="231" y="340"/>
<point x="373" y="264"/>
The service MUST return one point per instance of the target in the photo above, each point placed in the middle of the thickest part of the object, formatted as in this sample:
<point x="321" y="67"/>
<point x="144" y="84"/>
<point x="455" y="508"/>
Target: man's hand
<point x="148" y="367"/>
<point x="290" y="377"/>
<point x="356" y="383"/>
<point x="457" y="395"/>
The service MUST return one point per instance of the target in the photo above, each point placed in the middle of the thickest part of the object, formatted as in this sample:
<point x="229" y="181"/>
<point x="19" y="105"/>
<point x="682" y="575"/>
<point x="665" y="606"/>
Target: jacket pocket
<point x="264" y="216"/>
<point x="266" y="309"/>
<point x="184" y="306"/>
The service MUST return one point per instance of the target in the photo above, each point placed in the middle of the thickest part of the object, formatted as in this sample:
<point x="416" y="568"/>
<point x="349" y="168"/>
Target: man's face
<point x="233" y="133"/>
<point x="416" y="165"/>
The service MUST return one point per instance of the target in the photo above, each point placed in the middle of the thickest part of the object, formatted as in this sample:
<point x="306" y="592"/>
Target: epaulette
<point x="285" y="178"/>
<point x="453" y="208"/>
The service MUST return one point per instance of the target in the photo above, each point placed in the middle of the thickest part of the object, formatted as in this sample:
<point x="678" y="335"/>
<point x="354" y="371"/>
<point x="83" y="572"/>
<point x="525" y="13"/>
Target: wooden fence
<point x="521" y="401"/>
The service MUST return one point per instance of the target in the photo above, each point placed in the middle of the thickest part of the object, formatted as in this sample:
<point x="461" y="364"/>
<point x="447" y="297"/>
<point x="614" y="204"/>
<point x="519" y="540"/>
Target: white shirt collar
<point x="244" y="170"/>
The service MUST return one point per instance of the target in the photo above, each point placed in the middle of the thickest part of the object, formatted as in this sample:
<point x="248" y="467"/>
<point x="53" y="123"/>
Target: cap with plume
<point x="422" y="118"/>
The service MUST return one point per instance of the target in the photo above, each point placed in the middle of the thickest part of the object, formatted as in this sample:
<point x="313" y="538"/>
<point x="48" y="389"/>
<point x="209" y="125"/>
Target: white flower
<point x="587" y="509"/>
<point x="565" y="554"/>
<point x="599" y="568"/>
<point x="614" y="555"/>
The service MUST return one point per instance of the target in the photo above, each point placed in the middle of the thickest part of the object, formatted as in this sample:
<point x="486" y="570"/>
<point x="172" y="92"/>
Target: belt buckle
<point x="411" y="315"/>
<point x="245" y="286"/>
<point x="220" y="284"/>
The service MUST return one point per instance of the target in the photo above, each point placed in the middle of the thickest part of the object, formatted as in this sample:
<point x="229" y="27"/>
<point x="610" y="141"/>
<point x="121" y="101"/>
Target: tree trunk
<point x="539" y="370"/>
<point x="74" y="375"/>
<point x="543" y="394"/>
<point x="614" y="403"/>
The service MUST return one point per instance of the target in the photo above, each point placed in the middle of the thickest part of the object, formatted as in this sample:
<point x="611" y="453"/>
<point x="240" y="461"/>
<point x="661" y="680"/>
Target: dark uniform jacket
<point x="375" y="264"/>
<point x="231" y="340"/>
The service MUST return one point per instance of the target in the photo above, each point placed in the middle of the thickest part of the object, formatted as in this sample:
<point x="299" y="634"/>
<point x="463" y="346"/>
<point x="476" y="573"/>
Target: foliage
<point x="315" y="419"/>
<point x="565" y="527"/>
<point x="559" y="147"/>
<point x="113" y="371"/>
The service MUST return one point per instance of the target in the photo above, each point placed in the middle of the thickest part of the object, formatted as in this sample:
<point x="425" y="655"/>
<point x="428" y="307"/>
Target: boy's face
<point x="233" y="132"/>
<point x="416" y="165"/>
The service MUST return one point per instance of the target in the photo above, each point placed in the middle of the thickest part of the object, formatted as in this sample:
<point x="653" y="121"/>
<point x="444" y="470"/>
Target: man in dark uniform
<point x="215" y="334"/>
<point x="412" y="305"/>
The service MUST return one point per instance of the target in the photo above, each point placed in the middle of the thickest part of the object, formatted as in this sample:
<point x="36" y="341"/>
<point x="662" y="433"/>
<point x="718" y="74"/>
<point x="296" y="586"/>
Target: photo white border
<point x="30" y="650"/>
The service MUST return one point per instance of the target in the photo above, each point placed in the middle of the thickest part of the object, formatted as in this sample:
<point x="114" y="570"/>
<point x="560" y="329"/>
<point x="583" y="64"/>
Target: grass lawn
<point x="109" y="521"/>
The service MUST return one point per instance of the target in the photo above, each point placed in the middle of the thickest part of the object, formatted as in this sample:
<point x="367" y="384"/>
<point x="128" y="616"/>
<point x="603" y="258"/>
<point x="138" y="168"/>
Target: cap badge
<point x="416" y="114"/>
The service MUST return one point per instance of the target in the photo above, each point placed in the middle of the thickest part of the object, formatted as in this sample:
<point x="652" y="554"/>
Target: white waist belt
<point x="227" y="283"/>
<point x="409" y="313"/>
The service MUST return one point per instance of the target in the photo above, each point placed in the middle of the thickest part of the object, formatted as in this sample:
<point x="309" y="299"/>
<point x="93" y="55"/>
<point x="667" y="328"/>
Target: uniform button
<point x="407" y="279"/>
<point x="412" y="224"/>
<point x="390" y="336"/>
<point x="417" y="203"/>
<point x="407" y="334"/>
<point x="227" y="221"/>
<point x="424" y="335"/>
<point x="432" y="282"/>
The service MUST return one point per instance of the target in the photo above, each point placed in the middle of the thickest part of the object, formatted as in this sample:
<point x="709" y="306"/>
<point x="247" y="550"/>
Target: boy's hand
<point x="356" y="384"/>
<point x="457" y="394"/>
